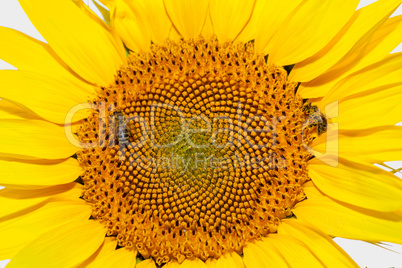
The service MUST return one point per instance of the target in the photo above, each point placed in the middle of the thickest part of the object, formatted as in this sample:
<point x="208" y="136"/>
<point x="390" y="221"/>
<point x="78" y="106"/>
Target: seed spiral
<point x="200" y="150"/>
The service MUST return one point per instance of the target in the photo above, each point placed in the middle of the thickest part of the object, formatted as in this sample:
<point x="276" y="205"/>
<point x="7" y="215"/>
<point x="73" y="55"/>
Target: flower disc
<point x="200" y="149"/>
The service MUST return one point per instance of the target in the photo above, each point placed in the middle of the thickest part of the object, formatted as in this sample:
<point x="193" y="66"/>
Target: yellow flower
<point x="208" y="133"/>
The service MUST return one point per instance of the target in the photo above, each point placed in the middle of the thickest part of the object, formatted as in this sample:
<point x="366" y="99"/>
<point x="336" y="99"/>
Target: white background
<point x="365" y="254"/>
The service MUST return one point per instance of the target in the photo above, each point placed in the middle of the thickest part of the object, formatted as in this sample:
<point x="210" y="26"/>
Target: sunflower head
<point x="201" y="150"/>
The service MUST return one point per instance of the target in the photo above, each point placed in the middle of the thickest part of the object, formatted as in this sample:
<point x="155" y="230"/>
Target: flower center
<point x="201" y="149"/>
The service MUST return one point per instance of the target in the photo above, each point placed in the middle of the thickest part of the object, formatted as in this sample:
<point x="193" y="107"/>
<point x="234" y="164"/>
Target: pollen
<point x="195" y="150"/>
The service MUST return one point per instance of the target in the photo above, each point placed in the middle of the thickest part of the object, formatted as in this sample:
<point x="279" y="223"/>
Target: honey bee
<point x="315" y="118"/>
<point x="122" y="134"/>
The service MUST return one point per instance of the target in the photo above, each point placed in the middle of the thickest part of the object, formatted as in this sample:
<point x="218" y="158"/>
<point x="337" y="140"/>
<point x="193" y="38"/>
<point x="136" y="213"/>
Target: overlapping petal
<point x="88" y="48"/>
<point x="131" y="23"/>
<point x="19" y="231"/>
<point x="359" y="29"/>
<point x="26" y="137"/>
<point x="229" y="17"/>
<point x="188" y="17"/>
<point x="341" y="220"/>
<point x="380" y="44"/>
<point x="50" y="97"/>
<point x="321" y="245"/>
<point x="69" y="245"/>
<point x="308" y="29"/>
<point x="40" y="174"/>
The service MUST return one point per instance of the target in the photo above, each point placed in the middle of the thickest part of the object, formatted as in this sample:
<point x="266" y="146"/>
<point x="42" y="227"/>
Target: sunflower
<point x="208" y="133"/>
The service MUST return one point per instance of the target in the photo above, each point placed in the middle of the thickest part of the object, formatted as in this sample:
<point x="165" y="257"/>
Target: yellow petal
<point x="360" y="29"/>
<point x="51" y="98"/>
<point x="108" y="245"/>
<point x="38" y="61"/>
<point x="229" y="260"/>
<point x="18" y="232"/>
<point x="383" y="41"/>
<point x="323" y="247"/>
<point x="108" y="3"/>
<point x="193" y="263"/>
<point x="16" y="201"/>
<point x="66" y="246"/>
<point x="175" y="35"/>
<point x="105" y="12"/>
<point x="368" y="98"/>
<point x="12" y="110"/>
<point x="380" y="107"/>
<point x="94" y="17"/>
<point x="34" y="138"/>
<point x="131" y="23"/>
<point x="337" y="219"/>
<point x="172" y="264"/>
<point x="267" y="17"/>
<point x="259" y="255"/>
<point x="117" y="258"/>
<point x="188" y="17"/>
<point x="88" y="48"/>
<point x="291" y="251"/>
<point x="28" y="54"/>
<point x="375" y="76"/>
<point x="230" y="17"/>
<point x="308" y="29"/>
<point x="360" y="185"/>
<point x="372" y="145"/>
<point x="160" y="23"/>
<point x="208" y="30"/>
<point x="148" y="263"/>
<point x="33" y="175"/>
